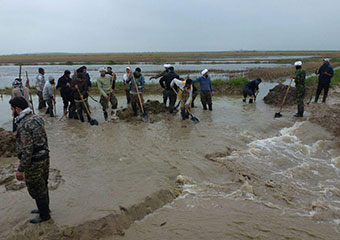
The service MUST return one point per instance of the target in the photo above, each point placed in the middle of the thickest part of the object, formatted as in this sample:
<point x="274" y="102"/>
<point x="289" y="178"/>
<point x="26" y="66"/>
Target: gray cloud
<point x="157" y="25"/>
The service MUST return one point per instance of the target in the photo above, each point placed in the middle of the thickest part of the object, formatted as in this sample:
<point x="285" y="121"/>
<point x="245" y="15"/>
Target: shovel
<point x="314" y="83"/>
<point x="92" y="121"/>
<point x="145" y="117"/>
<point x="278" y="114"/>
<point x="193" y="118"/>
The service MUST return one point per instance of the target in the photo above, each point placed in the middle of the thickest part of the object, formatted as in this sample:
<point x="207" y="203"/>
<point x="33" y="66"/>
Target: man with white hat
<point x="105" y="82"/>
<point x="127" y="86"/>
<point x="300" y="76"/>
<point x="206" y="90"/>
<point x="161" y="74"/>
<point x="48" y="95"/>
<point x="325" y="74"/>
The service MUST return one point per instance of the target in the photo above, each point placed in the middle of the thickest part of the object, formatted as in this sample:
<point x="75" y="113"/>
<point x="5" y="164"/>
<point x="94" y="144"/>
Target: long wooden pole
<point x="29" y="90"/>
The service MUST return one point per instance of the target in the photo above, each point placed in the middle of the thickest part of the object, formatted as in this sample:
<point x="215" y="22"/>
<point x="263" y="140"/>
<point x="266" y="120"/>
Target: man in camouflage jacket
<point x="300" y="76"/>
<point x="33" y="153"/>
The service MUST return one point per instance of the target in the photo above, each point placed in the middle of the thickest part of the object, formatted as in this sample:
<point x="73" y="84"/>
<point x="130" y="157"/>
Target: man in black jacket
<point x="325" y="74"/>
<point x="64" y="84"/>
<point x="250" y="89"/>
<point x="168" y="91"/>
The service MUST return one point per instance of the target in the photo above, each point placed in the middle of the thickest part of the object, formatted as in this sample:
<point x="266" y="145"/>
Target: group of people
<point x="32" y="145"/>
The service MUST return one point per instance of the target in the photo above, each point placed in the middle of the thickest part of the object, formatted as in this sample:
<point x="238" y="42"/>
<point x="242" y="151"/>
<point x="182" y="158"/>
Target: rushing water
<point x="281" y="181"/>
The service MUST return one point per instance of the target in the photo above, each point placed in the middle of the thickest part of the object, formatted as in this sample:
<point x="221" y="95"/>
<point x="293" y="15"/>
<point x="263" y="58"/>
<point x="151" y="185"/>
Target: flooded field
<point x="218" y="70"/>
<point x="238" y="174"/>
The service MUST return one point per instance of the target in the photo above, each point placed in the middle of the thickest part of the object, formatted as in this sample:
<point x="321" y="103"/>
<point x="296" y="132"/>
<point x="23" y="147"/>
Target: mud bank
<point x="276" y="95"/>
<point x="151" y="108"/>
<point x="7" y="143"/>
<point x="112" y="224"/>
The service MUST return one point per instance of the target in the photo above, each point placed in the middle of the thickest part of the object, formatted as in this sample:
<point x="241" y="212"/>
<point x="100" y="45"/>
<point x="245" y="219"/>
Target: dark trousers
<point x="128" y="96"/>
<point x="70" y="106"/>
<point x="135" y="103"/>
<point x="206" y="99"/>
<point x="194" y="95"/>
<point x="171" y="95"/>
<point x="42" y="103"/>
<point x="50" y="107"/>
<point x="80" y="106"/>
<point x="323" y="85"/>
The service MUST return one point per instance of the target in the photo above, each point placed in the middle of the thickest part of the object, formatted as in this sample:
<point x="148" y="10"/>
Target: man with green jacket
<point x="300" y="76"/>
<point x="105" y="82"/>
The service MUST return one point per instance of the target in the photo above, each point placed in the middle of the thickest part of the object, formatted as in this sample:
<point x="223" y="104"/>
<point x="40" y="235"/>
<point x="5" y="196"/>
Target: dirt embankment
<point x="151" y="108"/>
<point x="276" y="95"/>
<point x="7" y="143"/>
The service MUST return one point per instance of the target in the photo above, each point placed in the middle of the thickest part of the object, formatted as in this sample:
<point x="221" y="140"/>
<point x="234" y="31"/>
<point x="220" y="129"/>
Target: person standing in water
<point x="206" y="90"/>
<point x="250" y="89"/>
<point x="33" y="153"/>
<point x="299" y="78"/>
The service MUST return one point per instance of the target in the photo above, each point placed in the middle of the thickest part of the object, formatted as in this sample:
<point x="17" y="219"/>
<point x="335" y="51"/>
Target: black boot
<point x="44" y="211"/>
<point x="205" y="107"/>
<point x="81" y="118"/>
<point x="210" y="107"/>
<point x="250" y="100"/>
<point x="105" y="115"/>
<point x="192" y="105"/>
<point x="47" y="111"/>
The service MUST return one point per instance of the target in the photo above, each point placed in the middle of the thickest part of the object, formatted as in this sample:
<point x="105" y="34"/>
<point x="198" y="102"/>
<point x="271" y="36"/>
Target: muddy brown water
<point x="280" y="182"/>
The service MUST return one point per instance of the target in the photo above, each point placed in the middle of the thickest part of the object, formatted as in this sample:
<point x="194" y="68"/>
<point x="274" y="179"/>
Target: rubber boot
<point x="43" y="208"/>
<point x="250" y="100"/>
<point x="244" y="100"/>
<point x="192" y="105"/>
<point x="51" y="113"/>
<point x="47" y="111"/>
<point x="205" y="107"/>
<point x="81" y="117"/>
<point x="183" y="113"/>
<point x="210" y="107"/>
<point x="324" y="99"/>
<point x="105" y="115"/>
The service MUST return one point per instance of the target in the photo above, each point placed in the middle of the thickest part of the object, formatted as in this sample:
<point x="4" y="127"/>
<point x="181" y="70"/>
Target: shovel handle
<point x="284" y="99"/>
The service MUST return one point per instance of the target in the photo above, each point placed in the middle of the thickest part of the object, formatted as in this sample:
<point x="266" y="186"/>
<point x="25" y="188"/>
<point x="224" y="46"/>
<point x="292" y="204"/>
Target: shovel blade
<point x="94" y="122"/>
<point x="145" y="117"/>
<point x="195" y="119"/>
<point x="277" y="115"/>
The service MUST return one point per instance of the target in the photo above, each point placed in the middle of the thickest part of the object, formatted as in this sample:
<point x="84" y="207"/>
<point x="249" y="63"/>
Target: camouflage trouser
<point x="135" y="102"/>
<point x="300" y="95"/>
<point x="104" y="103"/>
<point x="36" y="178"/>
<point x="206" y="98"/>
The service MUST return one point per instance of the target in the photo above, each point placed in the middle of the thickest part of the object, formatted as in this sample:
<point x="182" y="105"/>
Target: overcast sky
<point x="83" y="26"/>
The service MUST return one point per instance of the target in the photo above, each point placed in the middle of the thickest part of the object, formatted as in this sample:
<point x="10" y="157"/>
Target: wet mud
<point x="7" y="143"/>
<point x="276" y="95"/>
<point x="8" y="180"/>
<point x="152" y="107"/>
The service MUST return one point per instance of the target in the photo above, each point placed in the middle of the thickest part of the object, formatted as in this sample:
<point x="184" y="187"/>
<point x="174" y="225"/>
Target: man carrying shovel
<point x="184" y="95"/>
<point x="299" y="78"/>
<point x="137" y="83"/>
<point x="105" y="82"/>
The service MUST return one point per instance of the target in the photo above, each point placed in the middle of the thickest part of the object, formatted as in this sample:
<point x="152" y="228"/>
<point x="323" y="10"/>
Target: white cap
<point x="102" y="69"/>
<point x="50" y="78"/>
<point x="326" y="59"/>
<point x="298" y="63"/>
<point x="166" y="65"/>
<point x="128" y="68"/>
<point x="204" y="71"/>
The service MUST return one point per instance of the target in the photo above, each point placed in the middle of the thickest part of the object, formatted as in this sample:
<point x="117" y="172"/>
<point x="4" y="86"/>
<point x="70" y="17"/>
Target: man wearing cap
<point x="161" y="74"/>
<point x="40" y="83"/>
<point x="300" y="76"/>
<point x="127" y="86"/>
<point x="64" y="84"/>
<point x="184" y="95"/>
<point x="105" y="82"/>
<point x="165" y="82"/>
<point x="33" y="153"/>
<point x="206" y="89"/>
<point x="134" y="79"/>
<point x="325" y="74"/>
